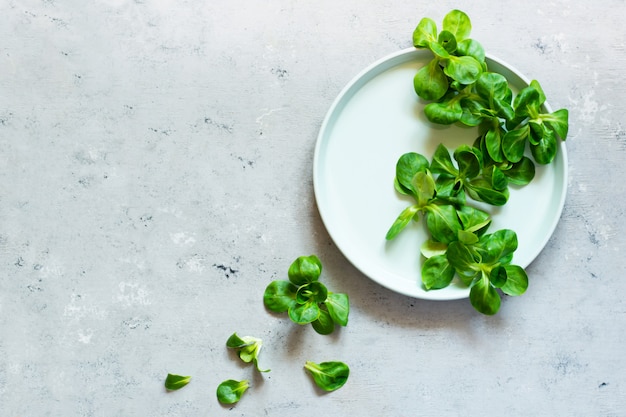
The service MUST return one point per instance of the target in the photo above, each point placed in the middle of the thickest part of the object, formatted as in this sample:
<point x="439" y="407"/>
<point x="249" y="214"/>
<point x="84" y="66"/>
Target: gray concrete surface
<point x="156" y="175"/>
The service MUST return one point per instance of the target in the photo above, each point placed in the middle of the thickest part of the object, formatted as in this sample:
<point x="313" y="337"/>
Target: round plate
<point x="375" y="119"/>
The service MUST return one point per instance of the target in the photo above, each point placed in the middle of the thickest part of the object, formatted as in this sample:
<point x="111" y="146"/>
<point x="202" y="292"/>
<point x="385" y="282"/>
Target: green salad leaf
<point x="329" y="376"/>
<point x="231" y="391"/>
<point x="175" y="382"/>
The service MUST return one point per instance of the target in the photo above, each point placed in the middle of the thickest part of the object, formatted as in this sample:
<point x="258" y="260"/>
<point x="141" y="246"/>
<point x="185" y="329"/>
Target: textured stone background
<point x="156" y="174"/>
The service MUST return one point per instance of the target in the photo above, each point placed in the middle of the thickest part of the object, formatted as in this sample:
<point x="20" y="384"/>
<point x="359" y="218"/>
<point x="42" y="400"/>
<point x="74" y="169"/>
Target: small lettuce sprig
<point x="458" y="59"/>
<point x="305" y="299"/>
<point x="248" y="348"/>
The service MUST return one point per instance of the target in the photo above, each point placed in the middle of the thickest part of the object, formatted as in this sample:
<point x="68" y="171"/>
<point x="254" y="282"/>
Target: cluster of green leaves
<point x="458" y="59"/>
<point x="458" y="243"/>
<point x="461" y="88"/>
<point x="471" y="174"/>
<point x="329" y="376"/>
<point x="440" y="189"/>
<point x="482" y="263"/>
<point x="306" y="299"/>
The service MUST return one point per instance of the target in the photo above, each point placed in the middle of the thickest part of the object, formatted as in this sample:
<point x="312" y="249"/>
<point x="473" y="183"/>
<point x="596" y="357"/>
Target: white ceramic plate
<point x="375" y="119"/>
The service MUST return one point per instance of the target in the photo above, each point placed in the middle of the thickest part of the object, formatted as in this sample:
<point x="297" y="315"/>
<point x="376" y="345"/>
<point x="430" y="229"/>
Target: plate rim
<point x="372" y="70"/>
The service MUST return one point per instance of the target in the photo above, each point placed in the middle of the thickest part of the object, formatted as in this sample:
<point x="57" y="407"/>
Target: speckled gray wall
<point x="156" y="175"/>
